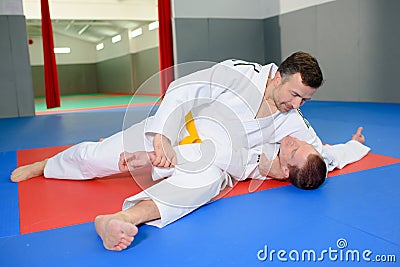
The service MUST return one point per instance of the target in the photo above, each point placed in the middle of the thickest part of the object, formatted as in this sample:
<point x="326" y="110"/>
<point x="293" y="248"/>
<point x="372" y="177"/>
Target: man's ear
<point x="277" y="78"/>
<point x="285" y="171"/>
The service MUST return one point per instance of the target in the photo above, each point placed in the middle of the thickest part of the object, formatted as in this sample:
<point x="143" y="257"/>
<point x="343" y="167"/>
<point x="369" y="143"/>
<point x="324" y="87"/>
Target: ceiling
<point x="93" y="31"/>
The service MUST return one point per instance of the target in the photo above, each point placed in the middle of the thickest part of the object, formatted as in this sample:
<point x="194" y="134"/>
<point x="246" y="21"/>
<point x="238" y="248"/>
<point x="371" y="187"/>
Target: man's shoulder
<point x="294" y="117"/>
<point x="248" y="68"/>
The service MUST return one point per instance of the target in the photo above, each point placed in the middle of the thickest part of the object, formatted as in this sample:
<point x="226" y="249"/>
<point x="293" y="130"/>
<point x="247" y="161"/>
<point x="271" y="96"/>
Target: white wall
<point x="94" y="9"/>
<point x="81" y="52"/>
<point x="249" y="9"/>
<point x="85" y="52"/>
<point x="11" y="7"/>
<point x="286" y="6"/>
<point x="113" y="50"/>
<point x="149" y="39"/>
<point x="218" y="8"/>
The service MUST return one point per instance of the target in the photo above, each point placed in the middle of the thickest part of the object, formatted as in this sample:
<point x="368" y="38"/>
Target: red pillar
<point x="50" y="67"/>
<point x="165" y="44"/>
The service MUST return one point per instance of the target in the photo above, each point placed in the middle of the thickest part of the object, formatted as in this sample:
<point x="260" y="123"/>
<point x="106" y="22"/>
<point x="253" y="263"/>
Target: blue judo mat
<point x="352" y="219"/>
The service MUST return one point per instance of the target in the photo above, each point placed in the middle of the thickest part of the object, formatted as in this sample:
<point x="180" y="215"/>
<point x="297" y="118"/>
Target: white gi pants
<point x="187" y="187"/>
<point x="88" y="160"/>
<point x="182" y="193"/>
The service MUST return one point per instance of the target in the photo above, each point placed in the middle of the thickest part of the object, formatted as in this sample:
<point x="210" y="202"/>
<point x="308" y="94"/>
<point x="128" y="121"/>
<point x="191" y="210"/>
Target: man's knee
<point x="94" y="161"/>
<point x="210" y="176"/>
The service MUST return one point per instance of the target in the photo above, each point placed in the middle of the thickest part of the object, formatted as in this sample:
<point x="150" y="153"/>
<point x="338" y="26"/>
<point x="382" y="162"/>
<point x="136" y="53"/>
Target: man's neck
<point x="269" y="96"/>
<point x="267" y="107"/>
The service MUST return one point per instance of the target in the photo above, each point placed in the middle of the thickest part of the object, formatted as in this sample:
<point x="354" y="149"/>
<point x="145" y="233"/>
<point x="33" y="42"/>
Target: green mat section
<point x="70" y="102"/>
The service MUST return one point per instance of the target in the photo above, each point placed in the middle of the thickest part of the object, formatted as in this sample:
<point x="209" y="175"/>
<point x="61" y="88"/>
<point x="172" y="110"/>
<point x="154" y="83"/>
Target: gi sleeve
<point x="244" y="163"/>
<point x="294" y="124"/>
<point x="196" y="89"/>
<point x="338" y="156"/>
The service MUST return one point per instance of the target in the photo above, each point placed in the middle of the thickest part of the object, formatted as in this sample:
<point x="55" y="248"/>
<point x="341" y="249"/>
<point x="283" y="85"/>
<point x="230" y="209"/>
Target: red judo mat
<point x="50" y="203"/>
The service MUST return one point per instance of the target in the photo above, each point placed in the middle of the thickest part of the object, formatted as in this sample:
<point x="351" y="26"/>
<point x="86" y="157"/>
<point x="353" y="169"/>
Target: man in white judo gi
<point x="252" y="111"/>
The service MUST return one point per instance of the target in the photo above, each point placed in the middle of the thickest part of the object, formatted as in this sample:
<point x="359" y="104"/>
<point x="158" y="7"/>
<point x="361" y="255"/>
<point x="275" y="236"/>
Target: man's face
<point x="294" y="152"/>
<point x="291" y="93"/>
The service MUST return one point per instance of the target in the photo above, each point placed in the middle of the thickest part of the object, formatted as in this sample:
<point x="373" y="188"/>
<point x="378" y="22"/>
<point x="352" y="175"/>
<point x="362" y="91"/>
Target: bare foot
<point x="101" y="139"/>
<point x="115" y="230"/>
<point x="29" y="171"/>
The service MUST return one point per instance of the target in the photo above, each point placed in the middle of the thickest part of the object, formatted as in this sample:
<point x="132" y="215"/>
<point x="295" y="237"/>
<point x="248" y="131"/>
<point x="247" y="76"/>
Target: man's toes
<point x="122" y="246"/>
<point x="130" y="229"/>
<point x="116" y="234"/>
<point x="126" y="242"/>
<point x="129" y="239"/>
<point x="17" y="178"/>
<point x="14" y="177"/>
<point x="108" y="247"/>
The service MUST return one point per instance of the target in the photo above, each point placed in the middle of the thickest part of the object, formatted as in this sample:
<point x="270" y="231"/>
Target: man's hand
<point x="358" y="136"/>
<point x="270" y="168"/>
<point x="129" y="161"/>
<point x="165" y="155"/>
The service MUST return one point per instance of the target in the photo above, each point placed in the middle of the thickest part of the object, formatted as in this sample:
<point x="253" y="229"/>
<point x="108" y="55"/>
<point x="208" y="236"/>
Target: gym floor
<point x="353" y="219"/>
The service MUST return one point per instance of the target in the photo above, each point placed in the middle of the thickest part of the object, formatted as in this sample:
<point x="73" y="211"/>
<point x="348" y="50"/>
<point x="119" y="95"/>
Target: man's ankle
<point x="129" y="217"/>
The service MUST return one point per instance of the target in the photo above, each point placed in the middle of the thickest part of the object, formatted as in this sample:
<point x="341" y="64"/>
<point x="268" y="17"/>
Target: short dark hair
<point x="311" y="175"/>
<point x="306" y="65"/>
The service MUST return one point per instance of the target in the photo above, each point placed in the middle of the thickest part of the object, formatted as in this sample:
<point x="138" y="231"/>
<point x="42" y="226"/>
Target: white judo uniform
<point x="224" y="101"/>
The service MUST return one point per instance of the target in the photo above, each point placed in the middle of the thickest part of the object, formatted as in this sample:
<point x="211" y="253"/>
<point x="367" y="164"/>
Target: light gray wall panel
<point x="72" y="79"/>
<point x="299" y="32"/>
<point x="8" y="96"/>
<point x="379" y="50"/>
<point x="191" y="40"/>
<point x="144" y="65"/>
<point x="115" y="75"/>
<point x="8" y="99"/>
<point x="22" y="71"/>
<point x="338" y="50"/>
<point x="16" y="93"/>
<point x="356" y="42"/>
<point x="77" y="79"/>
<point x="38" y="80"/>
<point x="219" y="39"/>
<point x="272" y="41"/>
<point x="236" y="38"/>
